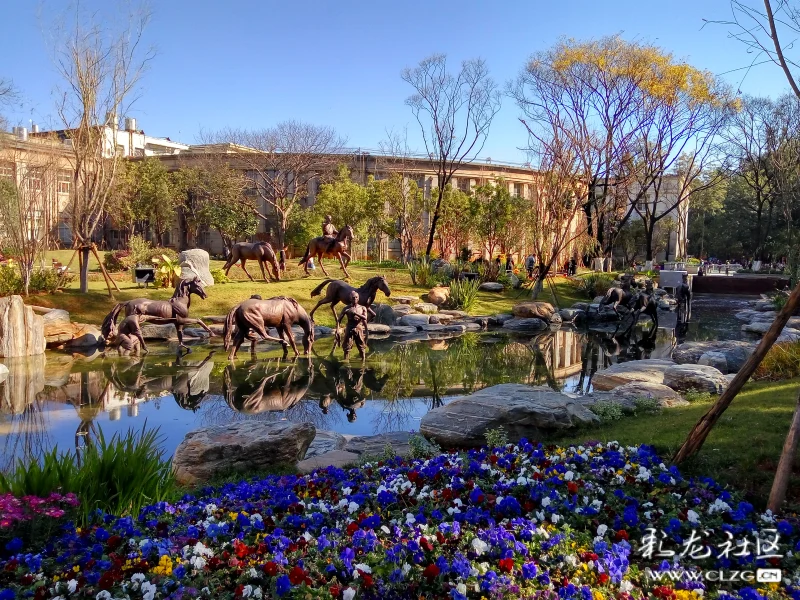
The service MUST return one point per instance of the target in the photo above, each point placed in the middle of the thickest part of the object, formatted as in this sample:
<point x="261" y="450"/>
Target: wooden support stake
<point x="702" y="428"/>
<point x="784" y="471"/>
<point x="109" y="281"/>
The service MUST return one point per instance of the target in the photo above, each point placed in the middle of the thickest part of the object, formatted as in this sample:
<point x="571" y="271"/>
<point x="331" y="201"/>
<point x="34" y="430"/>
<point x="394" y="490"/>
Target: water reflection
<point x="60" y="399"/>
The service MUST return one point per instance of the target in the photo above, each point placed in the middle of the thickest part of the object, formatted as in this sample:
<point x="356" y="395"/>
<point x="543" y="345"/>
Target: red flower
<point x="426" y="544"/>
<point x="603" y="578"/>
<point x="271" y="568"/>
<point x="113" y="542"/>
<point x="493" y="459"/>
<point x="352" y="528"/>
<point x="368" y="582"/>
<point x="238" y="592"/>
<point x="572" y="487"/>
<point x="241" y="549"/>
<point x="663" y="592"/>
<point x="621" y="535"/>
<point x="431" y="572"/>
<point x="297" y="575"/>
<point x="335" y="590"/>
<point x="506" y="565"/>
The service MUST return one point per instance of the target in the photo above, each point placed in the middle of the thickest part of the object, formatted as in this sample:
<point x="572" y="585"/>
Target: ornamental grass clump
<point x="593" y="284"/>
<point x="463" y="293"/>
<point x="781" y="362"/>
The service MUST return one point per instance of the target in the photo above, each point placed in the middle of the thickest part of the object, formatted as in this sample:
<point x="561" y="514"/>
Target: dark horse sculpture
<point x="326" y="247"/>
<point x="260" y="251"/>
<point x="277" y="390"/>
<point x="161" y="312"/>
<point x="254" y="316"/>
<point x="339" y="291"/>
<point x="616" y="296"/>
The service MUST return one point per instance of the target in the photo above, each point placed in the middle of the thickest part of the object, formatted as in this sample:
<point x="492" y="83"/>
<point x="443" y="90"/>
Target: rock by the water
<point x="85" y="336"/>
<point x="432" y="327"/>
<point x="472" y="326"/>
<point x="195" y="263"/>
<point x="695" y="377"/>
<point x="195" y="332"/>
<point x="455" y="328"/>
<point x="325" y="441"/>
<point x="736" y="352"/>
<point x="400" y="330"/>
<point x="414" y="320"/>
<point x="528" y="310"/>
<point x="384" y="314"/>
<point x="666" y="396"/>
<point x="426" y="308"/>
<point x="3" y="372"/>
<point x="584" y="306"/>
<point x="439" y="295"/>
<point x="491" y="286"/>
<point x="21" y="329"/>
<point x="405" y="299"/>
<point x="499" y="319"/>
<point x="714" y="359"/>
<point x="151" y="331"/>
<point x="650" y="371"/>
<point x="788" y="335"/>
<point x="572" y="314"/>
<point x="556" y="318"/>
<point x="457" y="314"/>
<point x="322" y="331"/>
<point x="376" y="445"/>
<point x="242" y="446"/>
<point x="527" y="325"/>
<point x="440" y="318"/>
<point x="401" y="310"/>
<point x="57" y="327"/>
<point x="521" y="410"/>
<point x="379" y="328"/>
<point x="334" y="458"/>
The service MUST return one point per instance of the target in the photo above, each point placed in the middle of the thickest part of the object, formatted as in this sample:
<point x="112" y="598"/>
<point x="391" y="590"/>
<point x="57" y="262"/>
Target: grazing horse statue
<point x="254" y="316"/>
<point x="616" y="296"/>
<point x="162" y="312"/>
<point x="646" y="305"/>
<point x="260" y="251"/>
<point x="277" y="391"/>
<point x="327" y="247"/>
<point x="339" y="291"/>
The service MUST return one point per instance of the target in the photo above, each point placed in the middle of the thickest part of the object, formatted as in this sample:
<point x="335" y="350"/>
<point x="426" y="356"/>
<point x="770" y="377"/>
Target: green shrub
<point x="496" y="438"/>
<point x="779" y="300"/>
<point x="488" y="271"/>
<point x="420" y="447"/>
<point x="463" y="293"/>
<point x="140" y="251"/>
<point x="593" y="284"/>
<point x="693" y="261"/>
<point x="646" y="406"/>
<point x="781" y="362"/>
<point x="219" y="276"/>
<point x="54" y="472"/>
<point x="607" y="411"/>
<point x="46" y="280"/>
<point x="10" y="281"/>
<point x="692" y="396"/>
<point x="421" y="272"/>
<point x="117" y="261"/>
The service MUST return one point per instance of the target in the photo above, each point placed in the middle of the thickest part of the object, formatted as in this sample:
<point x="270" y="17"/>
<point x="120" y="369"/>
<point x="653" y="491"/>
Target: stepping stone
<point x="649" y="371"/>
<point x="459" y="314"/>
<point x="374" y="445"/>
<point x="378" y="328"/>
<point x="405" y="299"/>
<point x="491" y="286"/>
<point x="339" y="459"/>
<point x="400" y="330"/>
<point x="415" y="321"/>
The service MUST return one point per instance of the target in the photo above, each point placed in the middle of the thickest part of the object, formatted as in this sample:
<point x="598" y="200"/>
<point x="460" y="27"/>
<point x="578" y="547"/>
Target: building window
<point x="464" y="184"/>
<point x="518" y="190"/>
<point x="33" y="180"/>
<point x="64" y="183"/>
<point x="7" y="170"/>
<point x="120" y="150"/>
<point x="138" y="152"/>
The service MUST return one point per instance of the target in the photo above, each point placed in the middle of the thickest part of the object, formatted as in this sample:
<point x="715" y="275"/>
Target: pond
<point x="64" y="400"/>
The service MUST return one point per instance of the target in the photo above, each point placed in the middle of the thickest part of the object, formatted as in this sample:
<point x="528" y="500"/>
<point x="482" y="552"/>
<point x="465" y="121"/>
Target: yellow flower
<point x="164" y="566"/>
<point x="596" y="595"/>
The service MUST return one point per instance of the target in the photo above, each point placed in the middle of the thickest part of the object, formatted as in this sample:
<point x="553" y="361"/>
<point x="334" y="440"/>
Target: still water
<point x="63" y="400"/>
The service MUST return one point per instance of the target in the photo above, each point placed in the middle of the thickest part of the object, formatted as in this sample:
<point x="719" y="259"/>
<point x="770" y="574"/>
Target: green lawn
<point x="743" y="448"/>
<point x="92" y="307"/>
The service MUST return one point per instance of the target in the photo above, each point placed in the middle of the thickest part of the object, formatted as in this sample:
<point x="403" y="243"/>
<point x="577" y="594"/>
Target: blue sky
<point x="246" y="63"/>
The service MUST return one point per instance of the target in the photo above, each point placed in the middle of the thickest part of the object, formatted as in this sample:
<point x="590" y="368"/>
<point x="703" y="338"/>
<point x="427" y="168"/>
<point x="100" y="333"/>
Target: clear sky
<point x="251" y="63"/>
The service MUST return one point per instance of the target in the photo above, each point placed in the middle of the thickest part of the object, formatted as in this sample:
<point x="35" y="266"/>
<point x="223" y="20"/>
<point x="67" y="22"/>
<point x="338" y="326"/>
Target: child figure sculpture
<point x="356" y="328"/>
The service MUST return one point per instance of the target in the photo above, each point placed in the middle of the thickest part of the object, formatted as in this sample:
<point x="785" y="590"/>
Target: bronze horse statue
<point x="616" y="296"/>
<point x="277" y="391"/>
<point x="260" y="251"/>
<point x="326" y="247"/>
<point x="161" y="312"/>
<point x="339" y="291"/>
<point x="254" y="316"/>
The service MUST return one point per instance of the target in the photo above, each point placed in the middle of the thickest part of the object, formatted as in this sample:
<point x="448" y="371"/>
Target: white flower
<point x="349" y="594"/>
<point x="257" y="593"/>
<point x="410" y="519"/>
<point x="352" y="507"/>
<point x="545" y="501"/>
<point x="198" y="562"/>
<point x="252" y="573"/>
<point x="210" y="508"/>
<point x="104" y="595"/>
<point x="138" y="578"/>
<point x="406" y="568"/>
<point x="569" y="476"/>
<point x="626" y="586"/>
<point x="149" y="590"/>
<point x="247" y="591"/>
<point x="479" y="546"/>
<point x="692" y="516"/>
<point x="364" y="568"/>
<point x="554" y="518"/>
<point x="601" y="529"/>
<point x="461" y="588"/>
<point x="385" y="529"/>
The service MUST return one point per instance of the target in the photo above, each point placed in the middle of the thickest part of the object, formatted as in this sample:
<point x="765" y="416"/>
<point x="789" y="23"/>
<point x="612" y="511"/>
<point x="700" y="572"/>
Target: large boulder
<point x="439" y="295"/>
<point x="150" y="331"/>
<point x="384" y="314"/>
<point x="703" y="378"/>
<point x="377" y="445"/>
<point x="500" y="318"/>
<point x="572" y="314"/>
<point x="194" y="263"/>
<point x="528" y="310"/>
<point x="244" y="446"/>
<point x="523" y="411"/>
<point x="3" y="372"/>
<point x="716" y="360"/>
<point x="491" y="286"/>
<point x="21" y="329"/>
<point x="649" y="371"/>
<point x="525" y="325"/>
<point x="85" y="336"/>
<point x="736" y="352"/>
<point x="379" y="328"/>
<point x="57" y="327"/>
<point x="666" y="396"/>
<point x="414" y="320"/>
<point x="325" y="441"/>
<point x="426" y="308"/>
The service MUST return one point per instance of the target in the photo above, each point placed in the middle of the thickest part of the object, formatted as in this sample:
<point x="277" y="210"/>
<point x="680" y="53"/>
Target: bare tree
<point x="8" y="95"/>
<point x="282" y="162"/>
<point x="100" y="64"/>
<point x="454" y="113"/>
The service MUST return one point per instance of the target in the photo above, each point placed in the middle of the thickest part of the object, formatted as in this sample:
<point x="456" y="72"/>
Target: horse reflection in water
<point x="266" y="387"/>
<point x="339" y="383"/>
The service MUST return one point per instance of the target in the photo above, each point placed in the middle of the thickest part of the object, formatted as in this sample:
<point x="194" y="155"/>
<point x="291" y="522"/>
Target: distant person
<point x="727" y="266"/>
<point x="311" y="266"/>
<point x="509" y="264"/>
<point x="530" y="265"/>
<point x="573" y="267"/>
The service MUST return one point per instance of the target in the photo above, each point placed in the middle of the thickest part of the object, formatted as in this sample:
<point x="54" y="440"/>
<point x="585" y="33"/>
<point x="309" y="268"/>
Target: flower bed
<point x="518" y="522"/>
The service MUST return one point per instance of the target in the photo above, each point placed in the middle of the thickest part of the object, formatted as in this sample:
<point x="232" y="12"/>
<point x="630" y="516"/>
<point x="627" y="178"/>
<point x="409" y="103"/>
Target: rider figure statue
<point x="329" y="231"/>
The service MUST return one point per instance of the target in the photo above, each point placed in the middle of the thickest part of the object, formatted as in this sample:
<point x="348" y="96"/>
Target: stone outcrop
<point x="243" y="446"/>
<point x="666" y="396"/>
<point x="379" y="328"/>
<point x="195" y="263"/>
<point x="84" y="336"/>
<point x="695" y="377"/>
<point x="21" y="329"/>
<point x="426" y="308"/>
<point x="57" y="327"/>
<point x="525" y="325"/>
<point x="716" y="360"/>
<point x="736" y="353"/>
<point x="528" y="310"/>
<point x="649" y="371"/>
<point x="523" y="411"/>
<point x="572" y="314"/>
<point x="150" y="331"/>
<point x="376" y="445"/>
<point x="338" y="459"/>
<point x="491" y="286"/>
<point x="384" y="314"/>
<point x="414" y="320"/>
<point x="405" y="299"/>
<point x="325" y="441"/>
<point x="439" y="295"/>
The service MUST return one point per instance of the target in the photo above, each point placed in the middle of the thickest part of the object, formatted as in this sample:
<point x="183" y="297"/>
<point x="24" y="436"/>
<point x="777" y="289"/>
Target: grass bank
<point x="743" y="448"/>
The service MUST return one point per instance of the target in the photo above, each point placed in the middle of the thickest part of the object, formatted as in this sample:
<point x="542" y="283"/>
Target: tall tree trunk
<point x="784" y="471"/>
<point x="84" y="252"/>
<point x="648" y="240"/>
<point x="702" y="428"/>
<point x="434" y="221"/>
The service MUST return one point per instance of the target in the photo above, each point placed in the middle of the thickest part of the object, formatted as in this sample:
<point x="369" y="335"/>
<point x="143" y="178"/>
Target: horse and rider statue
<point x="332" y="244"/>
